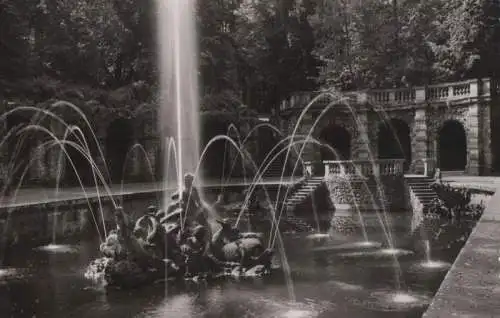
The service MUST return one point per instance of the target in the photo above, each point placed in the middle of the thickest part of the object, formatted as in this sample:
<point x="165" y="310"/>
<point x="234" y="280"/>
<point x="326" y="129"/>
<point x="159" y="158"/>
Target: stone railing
<point x="362" y="168"/>
<point x="446" y="92"/>
<point x="425" y="166"/>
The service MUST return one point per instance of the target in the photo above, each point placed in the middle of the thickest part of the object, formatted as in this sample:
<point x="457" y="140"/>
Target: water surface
<point x="332" y="282"/>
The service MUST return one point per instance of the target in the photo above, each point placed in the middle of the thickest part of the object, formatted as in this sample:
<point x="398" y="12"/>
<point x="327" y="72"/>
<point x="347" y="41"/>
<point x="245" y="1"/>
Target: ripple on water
<point x="391" y="300"/>
<point x="430" y="266"/>
<point x="240" y="303"/>
<point x="56" y="248"/>
<point x="7" y="274"/>
<point x="348" y="246"/>
<point x="299" y="313"/>
<point x="346" y="286"/>
<point x="386" y="252"/>
<point x="318" y="236"/>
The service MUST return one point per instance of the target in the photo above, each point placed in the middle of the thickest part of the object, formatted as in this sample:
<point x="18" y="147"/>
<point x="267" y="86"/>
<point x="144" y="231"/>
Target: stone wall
<point x="385" y="192"/>
<point x="40" y="224"/>
<point x="471" y="103"/>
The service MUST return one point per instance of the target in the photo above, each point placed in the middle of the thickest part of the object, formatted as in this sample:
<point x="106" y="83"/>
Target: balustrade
<point x="445" y="92"/>
<point x="428" y="165"/>
<point x="362" y="168"/>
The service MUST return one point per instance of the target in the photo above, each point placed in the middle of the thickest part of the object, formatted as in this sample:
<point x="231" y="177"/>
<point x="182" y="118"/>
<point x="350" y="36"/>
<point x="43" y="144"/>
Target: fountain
<point x="176" y="222"/>
<point x="428" y="264"/>
<point x="186" y="243"/>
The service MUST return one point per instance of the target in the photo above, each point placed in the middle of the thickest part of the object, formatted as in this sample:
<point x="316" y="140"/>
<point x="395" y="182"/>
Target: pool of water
<point x="331" y="277"/>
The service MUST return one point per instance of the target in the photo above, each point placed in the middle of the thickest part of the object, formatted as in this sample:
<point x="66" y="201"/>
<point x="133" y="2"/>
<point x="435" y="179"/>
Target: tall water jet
<point x="428" y="263"/>
<point x="427" y="245"/>
<point x="179" y="100"/>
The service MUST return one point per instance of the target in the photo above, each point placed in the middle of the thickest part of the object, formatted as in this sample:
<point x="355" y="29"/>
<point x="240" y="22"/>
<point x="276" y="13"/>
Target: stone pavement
<point x="472" y="286"/>
<point x="32" y="196"/>
<point x="480" y="183"/>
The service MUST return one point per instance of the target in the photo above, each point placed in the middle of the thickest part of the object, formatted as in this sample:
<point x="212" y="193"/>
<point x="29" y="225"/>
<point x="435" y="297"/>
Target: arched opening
<point x="76" y="163"/>
<point x="20" y="146"/>
<point x="394" y="141"/>
<point x="339" y="139"/>
<point x="216" y="161"/>
<point x="452" y="146"/>
<point x="119" y="140"/>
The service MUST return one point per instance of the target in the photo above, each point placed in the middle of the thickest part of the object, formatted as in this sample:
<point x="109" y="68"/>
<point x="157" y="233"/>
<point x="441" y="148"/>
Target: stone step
<point x="419" y="178"/>
<point x="417" y="184"/>
<point x="425" y="193"/>
<point x="304" y="192"/>
<point x="420" y="182"/>
<point x="311" y="186"/>
<point x="429" y="199"/>
<point x="412" y="183"/>
<point x="426" y="201"/>
<point x="301" y="194"/>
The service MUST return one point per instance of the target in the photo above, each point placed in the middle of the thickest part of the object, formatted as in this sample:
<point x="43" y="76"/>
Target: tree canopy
<point x="252" y="52"/>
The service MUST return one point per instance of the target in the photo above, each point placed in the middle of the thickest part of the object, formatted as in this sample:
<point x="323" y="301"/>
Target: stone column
<point x="361" y="139"/>
<point x="473" y="149"/>
<point x="419" y="142"/>
<point x="487" y="156"/>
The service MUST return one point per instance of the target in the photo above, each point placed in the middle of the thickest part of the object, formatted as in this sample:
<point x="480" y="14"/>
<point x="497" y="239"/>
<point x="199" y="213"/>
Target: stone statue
<point x="178" y="242"/>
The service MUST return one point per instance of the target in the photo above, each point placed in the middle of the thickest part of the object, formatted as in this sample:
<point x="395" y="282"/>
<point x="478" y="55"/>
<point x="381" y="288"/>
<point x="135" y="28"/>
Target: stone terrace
<point x="451" y="125"/>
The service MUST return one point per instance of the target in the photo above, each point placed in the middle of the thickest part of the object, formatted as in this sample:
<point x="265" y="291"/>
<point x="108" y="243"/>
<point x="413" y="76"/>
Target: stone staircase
<point x="421" y="187"/>
<point x="298" y="224"/>
<point x="275" y="169"/>
<point x="302" y="193"/>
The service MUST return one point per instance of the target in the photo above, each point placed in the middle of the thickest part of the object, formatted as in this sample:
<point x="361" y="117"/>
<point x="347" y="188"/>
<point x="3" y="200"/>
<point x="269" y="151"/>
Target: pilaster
<point x="361" y="146"/>
<point x="485" y="141"/>
<point x="473" y="136"/>
<point x="419" y="145"/>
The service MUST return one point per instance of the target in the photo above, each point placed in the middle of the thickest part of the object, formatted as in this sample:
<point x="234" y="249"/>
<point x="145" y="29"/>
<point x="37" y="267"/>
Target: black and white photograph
<point x="249" y="158"/>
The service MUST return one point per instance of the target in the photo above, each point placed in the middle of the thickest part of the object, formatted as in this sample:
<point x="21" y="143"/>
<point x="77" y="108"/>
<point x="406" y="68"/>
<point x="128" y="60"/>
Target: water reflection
<point x="327" y="284"/>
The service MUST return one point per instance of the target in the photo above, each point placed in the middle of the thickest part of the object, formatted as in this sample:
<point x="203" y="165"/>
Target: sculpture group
<point x="178" y="243"/>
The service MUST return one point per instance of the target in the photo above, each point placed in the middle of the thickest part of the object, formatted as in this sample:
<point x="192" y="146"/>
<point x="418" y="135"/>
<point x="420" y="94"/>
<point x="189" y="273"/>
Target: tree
<point x="468" y="41"/>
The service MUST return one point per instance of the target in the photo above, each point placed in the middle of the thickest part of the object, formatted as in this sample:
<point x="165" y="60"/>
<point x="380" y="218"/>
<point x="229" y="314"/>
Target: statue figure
<point x="191" y="202"/>
<point x="437" y="176"/>
<point x="179" y="242"/>
<point x="229" y="245"/>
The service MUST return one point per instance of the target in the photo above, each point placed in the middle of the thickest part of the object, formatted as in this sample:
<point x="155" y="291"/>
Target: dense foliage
<point x="450" y="218"/>
<point x="252" y="53"/>
<point x="454" y="203"/>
